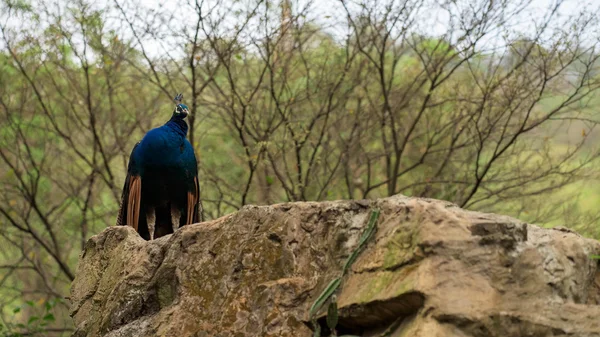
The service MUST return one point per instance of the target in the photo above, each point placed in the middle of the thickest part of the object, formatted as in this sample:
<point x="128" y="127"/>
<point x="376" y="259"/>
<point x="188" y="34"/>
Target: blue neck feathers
<point x="179" y="125"/>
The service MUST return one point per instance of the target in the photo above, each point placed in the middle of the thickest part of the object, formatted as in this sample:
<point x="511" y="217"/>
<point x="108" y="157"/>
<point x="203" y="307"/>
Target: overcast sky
<point x="328" y="12"/>
<point x="324" y="12"/>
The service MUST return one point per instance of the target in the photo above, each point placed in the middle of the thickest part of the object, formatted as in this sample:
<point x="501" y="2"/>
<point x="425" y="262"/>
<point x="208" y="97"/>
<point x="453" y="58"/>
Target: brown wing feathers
<point x="192" y="201"/>
<point x="133" y="202"/>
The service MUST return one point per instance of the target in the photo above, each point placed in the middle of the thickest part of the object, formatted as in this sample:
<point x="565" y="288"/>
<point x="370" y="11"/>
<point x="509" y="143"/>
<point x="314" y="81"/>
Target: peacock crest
<point x="179" y="107"/>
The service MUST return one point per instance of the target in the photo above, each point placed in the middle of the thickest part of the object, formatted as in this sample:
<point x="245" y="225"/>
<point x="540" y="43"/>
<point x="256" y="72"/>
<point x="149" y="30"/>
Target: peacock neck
<point x="179" y="125"/>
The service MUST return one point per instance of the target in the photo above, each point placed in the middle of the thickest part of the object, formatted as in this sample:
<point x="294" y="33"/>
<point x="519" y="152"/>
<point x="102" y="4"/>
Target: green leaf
<point x="329" y="290"/>
<point x="270" y="180"/>
<point x="332" y="314"/>
<point x="30" y="303"/>
<point x="49" y="318"/>
<point x="363" y="239"/>
<point x="32" y="319"/>
<point x="16" y="310"/>
<point x="595" y="257"/>
<point x="370" y="227"/>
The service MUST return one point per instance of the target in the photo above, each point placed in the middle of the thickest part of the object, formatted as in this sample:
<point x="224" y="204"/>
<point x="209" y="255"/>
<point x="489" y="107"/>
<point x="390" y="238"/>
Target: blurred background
<point x="490" y="104"/>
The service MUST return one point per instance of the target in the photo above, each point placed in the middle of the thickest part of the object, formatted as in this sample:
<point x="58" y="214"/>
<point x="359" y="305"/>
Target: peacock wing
<point x="129" y="210"/>
<point x="193" y="207"/>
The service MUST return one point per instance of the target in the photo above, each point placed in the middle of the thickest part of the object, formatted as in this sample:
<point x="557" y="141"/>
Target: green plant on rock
<point x="332" y="287"/>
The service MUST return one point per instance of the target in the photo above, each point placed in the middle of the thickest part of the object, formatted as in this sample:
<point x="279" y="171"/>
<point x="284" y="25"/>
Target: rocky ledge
<point x="430" y="269"/>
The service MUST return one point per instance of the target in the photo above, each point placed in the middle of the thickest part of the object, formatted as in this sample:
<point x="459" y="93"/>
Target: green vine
<point x="332" y="287"/>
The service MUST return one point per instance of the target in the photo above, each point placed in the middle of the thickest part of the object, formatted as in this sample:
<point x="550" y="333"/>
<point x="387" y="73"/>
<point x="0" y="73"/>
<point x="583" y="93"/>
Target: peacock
<point x="161" y="190"/>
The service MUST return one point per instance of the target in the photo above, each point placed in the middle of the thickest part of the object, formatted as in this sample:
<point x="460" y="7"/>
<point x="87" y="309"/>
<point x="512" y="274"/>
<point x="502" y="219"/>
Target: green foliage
<point x="19" y="5"/>
<point x="40" y="317"/>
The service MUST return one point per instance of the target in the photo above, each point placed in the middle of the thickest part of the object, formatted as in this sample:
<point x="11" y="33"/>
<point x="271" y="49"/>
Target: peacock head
<point x="181" y="110"/>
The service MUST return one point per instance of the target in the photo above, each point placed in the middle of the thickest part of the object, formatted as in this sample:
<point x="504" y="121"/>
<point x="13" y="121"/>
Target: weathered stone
<point x="431" y="269"/>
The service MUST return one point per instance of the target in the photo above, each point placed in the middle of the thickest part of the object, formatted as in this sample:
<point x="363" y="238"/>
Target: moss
<point x="166" y="293"/>
<point x="205" y="284"/>
<point x="399" y="249"/>
<point x="382" y="285"/>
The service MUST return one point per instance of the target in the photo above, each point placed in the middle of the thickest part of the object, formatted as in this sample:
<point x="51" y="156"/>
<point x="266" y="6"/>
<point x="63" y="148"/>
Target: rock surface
<point x="431" y="269"/>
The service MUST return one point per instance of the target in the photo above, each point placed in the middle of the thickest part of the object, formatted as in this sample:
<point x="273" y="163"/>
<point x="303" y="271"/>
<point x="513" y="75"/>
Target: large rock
<point x="431" y="269"/>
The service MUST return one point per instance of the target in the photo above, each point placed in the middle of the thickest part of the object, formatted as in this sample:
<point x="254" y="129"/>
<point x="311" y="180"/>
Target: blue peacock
<point x="161" y="191"/>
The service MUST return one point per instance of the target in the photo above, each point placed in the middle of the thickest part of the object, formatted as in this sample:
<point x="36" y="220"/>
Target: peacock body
<point x="161" y="190"/>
